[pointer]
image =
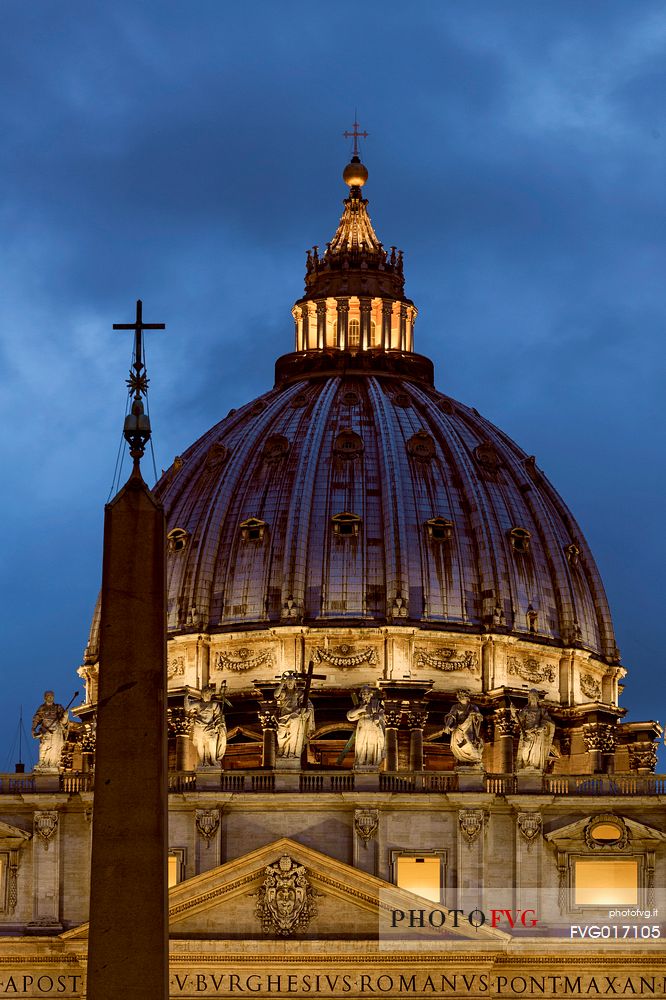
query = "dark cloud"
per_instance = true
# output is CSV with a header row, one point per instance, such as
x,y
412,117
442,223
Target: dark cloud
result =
x,y
189,153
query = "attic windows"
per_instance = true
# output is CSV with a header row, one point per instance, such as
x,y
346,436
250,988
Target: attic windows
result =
x,y
252,530
606,832
177,539
348,445
439,529
520,539
346,525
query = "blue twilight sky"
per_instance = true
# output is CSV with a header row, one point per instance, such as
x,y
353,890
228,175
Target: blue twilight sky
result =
x,y
188,153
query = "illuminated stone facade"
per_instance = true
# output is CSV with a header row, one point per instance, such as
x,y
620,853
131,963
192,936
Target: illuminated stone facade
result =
x,y
355,527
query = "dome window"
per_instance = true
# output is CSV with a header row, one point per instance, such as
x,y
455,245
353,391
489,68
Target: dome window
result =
x,y
421,446
346,524
216,455
258,407
439,529
252,530
354,333
487,457
351,398
520,539
299,400
572,553
276,447
402,399
177,539
348,444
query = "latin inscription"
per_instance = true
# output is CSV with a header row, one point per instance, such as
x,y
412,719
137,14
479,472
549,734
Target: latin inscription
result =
x,y
192,984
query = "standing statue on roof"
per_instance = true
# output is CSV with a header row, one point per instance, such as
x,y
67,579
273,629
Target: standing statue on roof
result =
x,y
295,716
50,725
209,730
536,733
370,733
463,722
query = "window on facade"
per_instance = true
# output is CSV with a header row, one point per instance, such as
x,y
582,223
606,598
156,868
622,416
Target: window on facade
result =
x,y
606,882
3,882
354,333
421,874
175,866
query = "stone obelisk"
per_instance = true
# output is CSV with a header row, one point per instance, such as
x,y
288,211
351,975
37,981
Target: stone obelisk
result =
x,y
128,954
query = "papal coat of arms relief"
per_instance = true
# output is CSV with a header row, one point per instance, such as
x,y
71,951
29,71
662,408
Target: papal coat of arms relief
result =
x,y
286,898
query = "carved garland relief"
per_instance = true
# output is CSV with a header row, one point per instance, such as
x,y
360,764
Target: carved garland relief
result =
x,y
443,659
176,667
242,659
590,686
530,669
345,656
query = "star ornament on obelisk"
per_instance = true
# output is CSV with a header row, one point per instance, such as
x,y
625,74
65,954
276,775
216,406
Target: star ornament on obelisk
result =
x,y
128,944
137,423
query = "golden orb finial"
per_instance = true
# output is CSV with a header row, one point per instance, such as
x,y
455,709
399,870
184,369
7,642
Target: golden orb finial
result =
x,y
355,174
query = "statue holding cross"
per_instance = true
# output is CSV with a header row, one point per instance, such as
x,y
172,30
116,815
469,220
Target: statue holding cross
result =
x,y
295,712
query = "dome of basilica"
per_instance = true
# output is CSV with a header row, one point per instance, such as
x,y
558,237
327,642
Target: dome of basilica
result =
x,y
355,517
354,493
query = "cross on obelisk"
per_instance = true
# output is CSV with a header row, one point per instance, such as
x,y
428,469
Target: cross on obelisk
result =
x,y
137,424
355,134
128,947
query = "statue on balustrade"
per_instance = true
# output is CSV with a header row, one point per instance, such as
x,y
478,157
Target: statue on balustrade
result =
x,y
463,722
370,733
50,725
536,733
209,730
295,716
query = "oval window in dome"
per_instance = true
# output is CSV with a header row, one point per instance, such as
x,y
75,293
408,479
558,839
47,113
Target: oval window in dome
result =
x,y
520,539
348,444
177,539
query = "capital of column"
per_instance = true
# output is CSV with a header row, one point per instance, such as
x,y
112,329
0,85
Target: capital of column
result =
x,y
504,722
599,737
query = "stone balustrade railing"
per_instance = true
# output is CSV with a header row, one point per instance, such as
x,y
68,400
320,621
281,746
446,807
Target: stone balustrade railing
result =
x,y
398,782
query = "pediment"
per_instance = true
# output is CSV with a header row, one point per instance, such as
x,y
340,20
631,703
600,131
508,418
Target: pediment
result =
x,y
348,903
13,837
638,834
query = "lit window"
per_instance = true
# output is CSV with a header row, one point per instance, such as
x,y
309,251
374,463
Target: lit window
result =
x,y
606,882
354,333
175,866
421,874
